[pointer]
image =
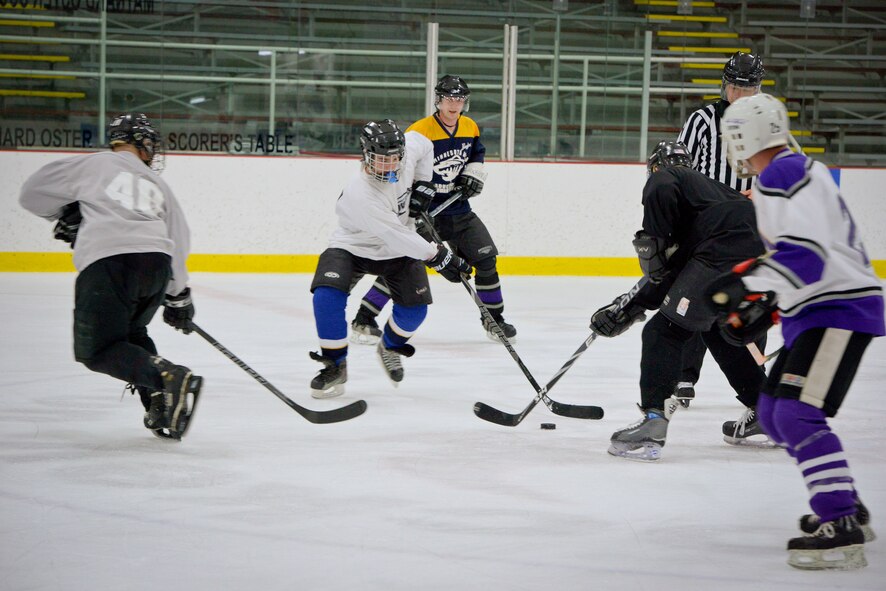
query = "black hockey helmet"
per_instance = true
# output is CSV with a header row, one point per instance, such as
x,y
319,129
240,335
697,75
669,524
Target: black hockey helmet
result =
x,y
744,69
381,143
136,129
453,87
667,155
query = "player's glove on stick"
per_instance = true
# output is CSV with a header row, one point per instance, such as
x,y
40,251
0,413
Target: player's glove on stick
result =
x,y
68,224
450,266
420,199
179,311
743,316
608,321
470,181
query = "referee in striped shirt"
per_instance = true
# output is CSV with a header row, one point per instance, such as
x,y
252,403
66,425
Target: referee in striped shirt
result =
x,y
742,76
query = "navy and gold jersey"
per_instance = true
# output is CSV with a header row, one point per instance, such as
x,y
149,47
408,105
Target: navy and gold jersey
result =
x,y
452,151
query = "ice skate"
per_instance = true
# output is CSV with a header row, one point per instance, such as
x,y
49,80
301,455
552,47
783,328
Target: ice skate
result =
x,y
364,329
747,431
835,545
390,360
508,329
809,523
330,381
644,439
170,411
685,393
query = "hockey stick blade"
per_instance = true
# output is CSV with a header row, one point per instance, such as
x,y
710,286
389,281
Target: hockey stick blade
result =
x,y
540,393
320,417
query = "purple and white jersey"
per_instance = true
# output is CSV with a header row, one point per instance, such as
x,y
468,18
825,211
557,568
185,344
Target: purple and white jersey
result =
x,y
819,267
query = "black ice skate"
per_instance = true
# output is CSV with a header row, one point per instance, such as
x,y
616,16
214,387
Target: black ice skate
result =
x,y
644,439
685,393
170,412
364,329
390,360
836,545
746,431
809,523
508,329
330,382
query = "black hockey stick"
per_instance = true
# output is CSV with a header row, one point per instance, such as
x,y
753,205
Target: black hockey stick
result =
x,y
355,409
559,408
493,415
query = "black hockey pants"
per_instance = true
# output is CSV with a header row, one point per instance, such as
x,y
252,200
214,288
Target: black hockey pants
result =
x,y
115,299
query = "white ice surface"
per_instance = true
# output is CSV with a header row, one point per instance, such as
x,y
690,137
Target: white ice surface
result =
x,y
417,493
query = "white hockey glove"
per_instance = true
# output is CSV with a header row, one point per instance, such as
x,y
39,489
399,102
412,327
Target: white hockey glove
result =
x,y
471,179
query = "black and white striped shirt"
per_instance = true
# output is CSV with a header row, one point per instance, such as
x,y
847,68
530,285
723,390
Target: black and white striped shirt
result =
x,y
701,134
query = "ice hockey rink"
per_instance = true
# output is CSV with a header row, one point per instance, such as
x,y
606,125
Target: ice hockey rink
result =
x,y
417,493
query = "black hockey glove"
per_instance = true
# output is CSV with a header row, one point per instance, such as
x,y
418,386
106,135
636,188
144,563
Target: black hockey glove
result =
x,y
420,199
179,311
609,321
743,316
68,224
450,266
470,181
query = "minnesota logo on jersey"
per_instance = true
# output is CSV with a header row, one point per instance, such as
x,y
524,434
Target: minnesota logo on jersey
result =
x,y
451,152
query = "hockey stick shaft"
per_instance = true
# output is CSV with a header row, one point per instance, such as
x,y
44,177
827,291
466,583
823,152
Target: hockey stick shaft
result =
x,y
486,412
455,197
343,413
759,356
541,394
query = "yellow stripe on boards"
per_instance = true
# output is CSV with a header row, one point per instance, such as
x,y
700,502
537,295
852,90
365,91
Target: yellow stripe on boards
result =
x,y
252,263
53,262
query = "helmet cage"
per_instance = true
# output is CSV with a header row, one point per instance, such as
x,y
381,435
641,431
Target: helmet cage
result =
x,y
452,87
384,150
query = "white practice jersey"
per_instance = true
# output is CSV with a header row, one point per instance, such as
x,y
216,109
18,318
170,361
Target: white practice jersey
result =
x,y
126,208
819,267
373,215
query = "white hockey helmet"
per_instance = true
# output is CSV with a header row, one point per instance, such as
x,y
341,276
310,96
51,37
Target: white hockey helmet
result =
x,y
752,124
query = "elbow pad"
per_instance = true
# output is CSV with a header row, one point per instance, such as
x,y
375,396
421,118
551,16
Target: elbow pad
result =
x,y
653,254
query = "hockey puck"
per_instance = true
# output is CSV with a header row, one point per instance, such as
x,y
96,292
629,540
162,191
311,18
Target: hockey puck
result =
x,y
548,426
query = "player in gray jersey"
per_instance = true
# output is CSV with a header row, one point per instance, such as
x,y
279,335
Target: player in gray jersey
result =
x,y
130,242
742,76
